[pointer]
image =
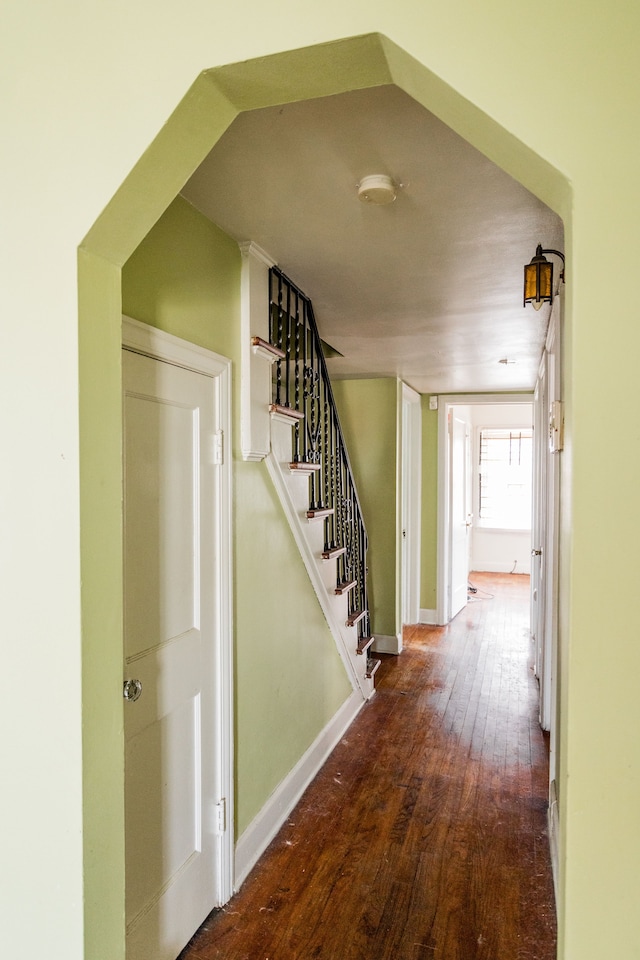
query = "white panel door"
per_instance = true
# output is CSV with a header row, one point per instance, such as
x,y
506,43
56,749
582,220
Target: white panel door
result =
x,y
460,517
405,516
411,446
539,518
549,693
169,488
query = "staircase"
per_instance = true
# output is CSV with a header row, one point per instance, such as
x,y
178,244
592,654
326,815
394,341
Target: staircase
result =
x,y
309,465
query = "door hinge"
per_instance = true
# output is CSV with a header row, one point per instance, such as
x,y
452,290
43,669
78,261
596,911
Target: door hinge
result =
x,y
218,448
220,816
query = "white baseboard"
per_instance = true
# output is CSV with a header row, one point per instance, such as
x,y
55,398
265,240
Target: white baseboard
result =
x,y
554,834
496,566
382,644
261,831
429,616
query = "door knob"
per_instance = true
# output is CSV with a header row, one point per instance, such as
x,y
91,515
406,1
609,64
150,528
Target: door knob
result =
x,y
131,690
536,553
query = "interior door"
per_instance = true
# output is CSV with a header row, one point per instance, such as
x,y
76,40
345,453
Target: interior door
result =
x,y
170,801
549,682
459,515
538,525
544,565
411,448
405,510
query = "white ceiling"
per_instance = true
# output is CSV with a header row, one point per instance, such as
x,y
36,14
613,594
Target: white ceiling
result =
x,y
428,288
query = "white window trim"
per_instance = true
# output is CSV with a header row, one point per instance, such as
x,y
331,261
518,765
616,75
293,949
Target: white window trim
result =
x,y
490,526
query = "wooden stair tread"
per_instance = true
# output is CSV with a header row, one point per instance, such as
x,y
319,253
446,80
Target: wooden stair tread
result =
x,y
289,412
345,586
372,666
266,349
304,466
355,617
318,514
333,552
363,644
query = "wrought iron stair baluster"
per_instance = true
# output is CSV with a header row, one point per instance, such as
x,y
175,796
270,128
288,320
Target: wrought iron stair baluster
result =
x,y
277,340
319,440
297,398
287,350
326,469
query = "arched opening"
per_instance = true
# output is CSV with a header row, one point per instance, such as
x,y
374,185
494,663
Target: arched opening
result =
x,y
217,97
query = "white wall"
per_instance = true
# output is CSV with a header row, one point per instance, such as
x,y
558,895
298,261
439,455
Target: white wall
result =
x,y
499,551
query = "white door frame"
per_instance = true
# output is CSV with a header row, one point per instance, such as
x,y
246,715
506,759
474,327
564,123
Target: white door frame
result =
x,y
541,504
445,404
548,628
550,539
154,343
459,503
410,462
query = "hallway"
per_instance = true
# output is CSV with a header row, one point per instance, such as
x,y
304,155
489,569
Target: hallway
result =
x,y
424,836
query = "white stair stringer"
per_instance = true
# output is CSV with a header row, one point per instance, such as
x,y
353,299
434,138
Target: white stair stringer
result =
x,y
293,492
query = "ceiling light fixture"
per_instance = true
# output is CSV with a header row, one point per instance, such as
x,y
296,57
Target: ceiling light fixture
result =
x,y
538,278
377,188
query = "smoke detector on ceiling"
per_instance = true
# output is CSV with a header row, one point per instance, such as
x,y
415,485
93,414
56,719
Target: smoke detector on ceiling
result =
x,y
377,188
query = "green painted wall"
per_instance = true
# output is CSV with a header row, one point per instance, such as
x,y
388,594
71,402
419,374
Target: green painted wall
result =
x,y
289,679
184,278
429,507
100,346
368,415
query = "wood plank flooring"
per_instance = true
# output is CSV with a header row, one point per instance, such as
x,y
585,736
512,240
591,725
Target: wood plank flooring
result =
x,y
424,835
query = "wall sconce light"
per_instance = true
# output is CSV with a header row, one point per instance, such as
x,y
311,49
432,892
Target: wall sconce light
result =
x,y
538,278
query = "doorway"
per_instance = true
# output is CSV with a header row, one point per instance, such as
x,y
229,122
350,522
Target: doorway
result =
x,y
410,465
545,571
177,641
457,502
169,160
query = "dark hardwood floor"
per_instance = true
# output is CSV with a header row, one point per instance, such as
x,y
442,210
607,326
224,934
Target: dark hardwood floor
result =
x,y
424,836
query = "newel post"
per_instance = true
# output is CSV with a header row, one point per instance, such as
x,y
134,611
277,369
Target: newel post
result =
x,y
255,362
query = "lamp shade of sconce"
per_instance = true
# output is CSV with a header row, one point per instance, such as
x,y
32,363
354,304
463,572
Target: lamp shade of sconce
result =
x,y
377,188
538,278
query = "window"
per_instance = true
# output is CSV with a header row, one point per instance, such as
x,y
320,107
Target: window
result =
x,y
505,471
